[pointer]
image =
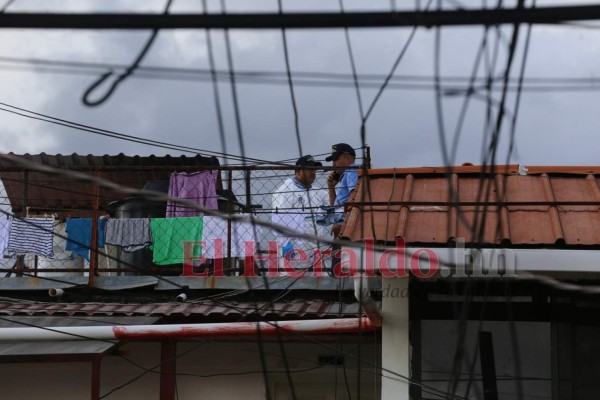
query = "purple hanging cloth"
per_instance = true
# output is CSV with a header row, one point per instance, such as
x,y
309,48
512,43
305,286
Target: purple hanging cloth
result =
x,y
199,187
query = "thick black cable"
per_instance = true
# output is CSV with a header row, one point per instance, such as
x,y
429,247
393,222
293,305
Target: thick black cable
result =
x,y
240,136
513,125
365,187
438,97
85,99
215,86
353,65
460,352
512,328
389,76
290,83
492,151
467,98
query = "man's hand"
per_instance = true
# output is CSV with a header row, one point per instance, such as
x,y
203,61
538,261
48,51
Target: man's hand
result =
x,y
333,179
335,230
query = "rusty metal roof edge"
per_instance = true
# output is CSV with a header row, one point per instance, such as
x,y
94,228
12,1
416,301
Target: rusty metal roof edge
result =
x,y
41,283
124,282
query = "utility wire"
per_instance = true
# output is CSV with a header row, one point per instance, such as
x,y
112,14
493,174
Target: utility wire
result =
x,y
113,86
334,78
240,135
215,86
290,83
121,136
531,85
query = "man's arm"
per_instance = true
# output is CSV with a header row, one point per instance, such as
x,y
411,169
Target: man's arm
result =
x,y
332,180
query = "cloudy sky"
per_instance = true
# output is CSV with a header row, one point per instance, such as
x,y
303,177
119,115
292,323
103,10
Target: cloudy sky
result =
x,y
555,127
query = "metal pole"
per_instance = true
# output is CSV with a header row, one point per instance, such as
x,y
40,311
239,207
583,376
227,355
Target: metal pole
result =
x,y
20,262
95,395
229,211
305,327
367,156
94,238
488,366
248,191
168,368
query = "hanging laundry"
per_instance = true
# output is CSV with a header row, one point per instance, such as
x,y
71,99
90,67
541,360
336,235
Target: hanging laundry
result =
x,y
215,234
4,231
79,235
130,234
198,187
31,236
169,236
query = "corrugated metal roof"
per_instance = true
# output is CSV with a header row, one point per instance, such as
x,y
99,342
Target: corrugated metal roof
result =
x,y
550,206
206,308
50,192
18,351
73,350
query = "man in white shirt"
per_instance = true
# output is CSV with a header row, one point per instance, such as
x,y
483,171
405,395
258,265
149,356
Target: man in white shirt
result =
x,y
296,206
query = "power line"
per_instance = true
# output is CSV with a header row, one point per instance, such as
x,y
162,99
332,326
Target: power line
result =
x,y
310,20
404,82
85,99
363,78
116,135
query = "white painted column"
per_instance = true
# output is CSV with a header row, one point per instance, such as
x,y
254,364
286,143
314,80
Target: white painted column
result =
x,y
395,346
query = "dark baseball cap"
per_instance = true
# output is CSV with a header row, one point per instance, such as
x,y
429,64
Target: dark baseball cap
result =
x,y
308,161
339,149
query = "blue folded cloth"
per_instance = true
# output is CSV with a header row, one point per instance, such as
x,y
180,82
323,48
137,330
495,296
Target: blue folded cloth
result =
x,y
333,216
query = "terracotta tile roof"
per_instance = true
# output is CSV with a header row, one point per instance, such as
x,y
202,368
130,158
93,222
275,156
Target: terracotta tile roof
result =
x,y
549,206
206,308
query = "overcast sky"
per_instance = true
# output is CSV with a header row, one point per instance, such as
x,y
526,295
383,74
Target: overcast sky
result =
x,y
554,128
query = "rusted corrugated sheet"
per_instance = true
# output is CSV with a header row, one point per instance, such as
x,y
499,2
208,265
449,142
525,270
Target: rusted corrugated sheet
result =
x,y
206,308
45,191
550,206
26,350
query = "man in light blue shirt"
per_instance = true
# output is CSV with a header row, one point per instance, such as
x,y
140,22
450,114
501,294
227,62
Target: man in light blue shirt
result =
x,y
341,183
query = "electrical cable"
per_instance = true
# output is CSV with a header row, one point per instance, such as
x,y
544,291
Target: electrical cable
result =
x,y
116,135
215,85
130,70
240,136
290,83
493,146
389,76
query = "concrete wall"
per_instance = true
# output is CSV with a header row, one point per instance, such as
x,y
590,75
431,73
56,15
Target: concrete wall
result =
x,y
237,366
